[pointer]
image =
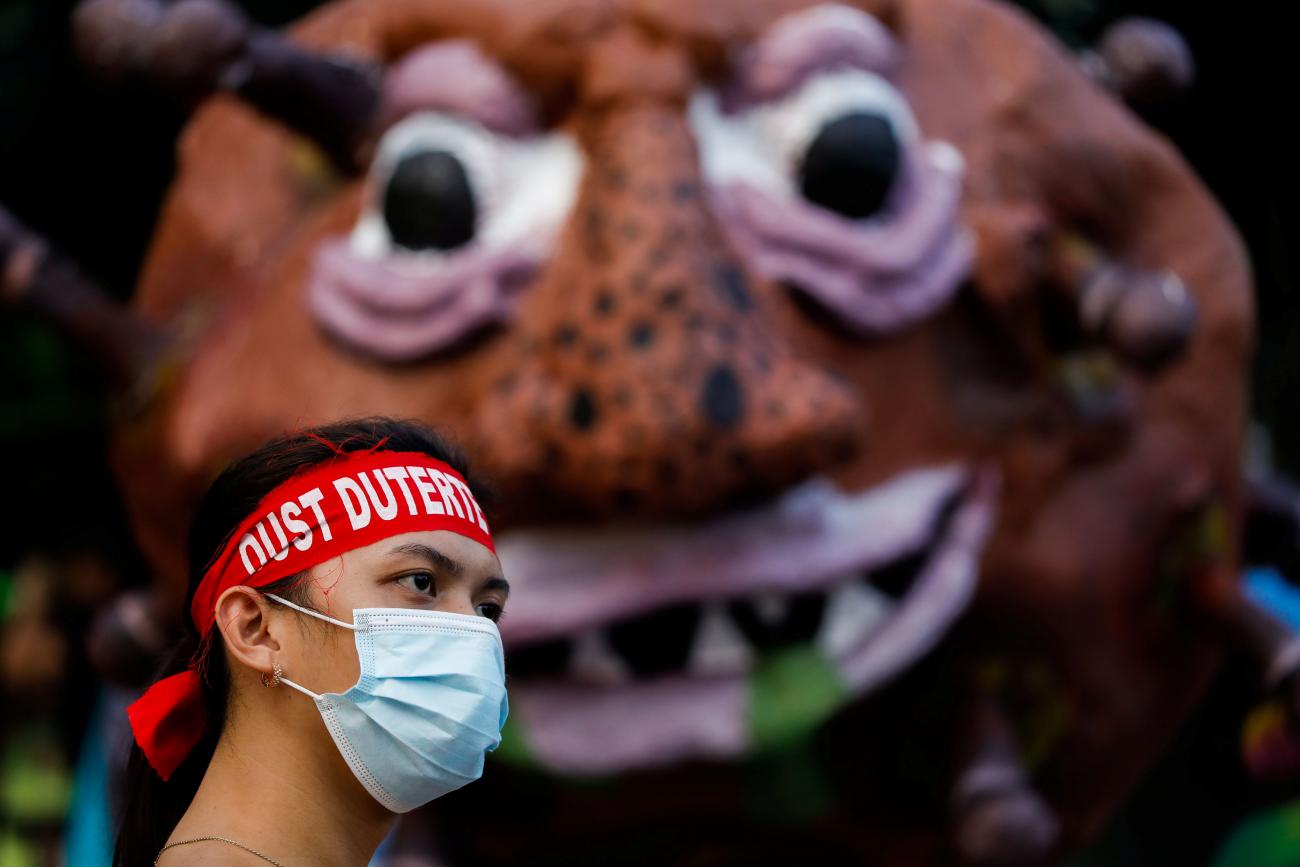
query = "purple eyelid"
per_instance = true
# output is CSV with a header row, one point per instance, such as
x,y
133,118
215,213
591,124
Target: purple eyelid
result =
x,y
397,313
455,77
805,44
878,276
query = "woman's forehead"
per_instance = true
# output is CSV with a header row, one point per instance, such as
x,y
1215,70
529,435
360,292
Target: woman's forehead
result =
x,y
444,550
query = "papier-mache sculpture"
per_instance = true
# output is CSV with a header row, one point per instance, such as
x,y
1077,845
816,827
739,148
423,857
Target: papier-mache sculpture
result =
x,y
866,385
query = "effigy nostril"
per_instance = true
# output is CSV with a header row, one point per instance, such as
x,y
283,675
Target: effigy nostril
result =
x,y
582,409
722,398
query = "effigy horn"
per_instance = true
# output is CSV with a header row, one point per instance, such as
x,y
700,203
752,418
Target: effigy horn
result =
x,y
130,350
194,48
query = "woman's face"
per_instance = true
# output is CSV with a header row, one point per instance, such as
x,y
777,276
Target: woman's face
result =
x,y
432,570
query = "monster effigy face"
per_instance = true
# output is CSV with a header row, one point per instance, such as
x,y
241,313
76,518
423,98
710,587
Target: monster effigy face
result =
x,y
790,333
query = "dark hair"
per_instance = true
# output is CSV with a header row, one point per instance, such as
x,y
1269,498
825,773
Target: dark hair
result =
x,y
152,806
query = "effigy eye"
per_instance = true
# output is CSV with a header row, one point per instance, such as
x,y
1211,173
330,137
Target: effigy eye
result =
x,y
428,202
850,165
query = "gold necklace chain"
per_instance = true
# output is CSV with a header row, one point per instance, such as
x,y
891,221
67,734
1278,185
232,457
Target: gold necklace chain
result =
x,y
248,849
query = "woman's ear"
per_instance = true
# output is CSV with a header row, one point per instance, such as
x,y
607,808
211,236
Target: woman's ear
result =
x,y
243,616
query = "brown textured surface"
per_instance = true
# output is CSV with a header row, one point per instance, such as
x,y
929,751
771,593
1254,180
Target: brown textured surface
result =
x,y
1072,573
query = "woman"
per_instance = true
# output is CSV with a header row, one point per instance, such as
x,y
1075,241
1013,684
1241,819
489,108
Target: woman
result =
x,y
342,662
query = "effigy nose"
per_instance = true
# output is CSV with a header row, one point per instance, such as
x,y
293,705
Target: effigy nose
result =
x,y
647,376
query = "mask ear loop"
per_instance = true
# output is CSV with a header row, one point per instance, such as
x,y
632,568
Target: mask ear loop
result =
x,y
302,689
286,681
315,614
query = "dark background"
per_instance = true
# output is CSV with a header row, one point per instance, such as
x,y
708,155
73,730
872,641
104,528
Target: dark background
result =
x,y
88,167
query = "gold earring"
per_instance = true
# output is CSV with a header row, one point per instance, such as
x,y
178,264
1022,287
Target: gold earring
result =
x,y
276,671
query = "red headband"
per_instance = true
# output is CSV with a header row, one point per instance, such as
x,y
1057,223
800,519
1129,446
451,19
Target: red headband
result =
x,y
346,503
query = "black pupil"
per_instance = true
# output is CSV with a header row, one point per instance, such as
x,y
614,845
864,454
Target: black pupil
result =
x,y
850,165
421,582
429,204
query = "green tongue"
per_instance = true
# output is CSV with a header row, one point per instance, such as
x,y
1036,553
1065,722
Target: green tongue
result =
x,y
792,690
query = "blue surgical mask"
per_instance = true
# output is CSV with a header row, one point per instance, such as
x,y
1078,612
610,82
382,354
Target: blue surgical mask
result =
x,y
430,701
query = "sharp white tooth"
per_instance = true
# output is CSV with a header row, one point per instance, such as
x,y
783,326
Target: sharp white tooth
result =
x,y
770,608
853,609
594,661
719,647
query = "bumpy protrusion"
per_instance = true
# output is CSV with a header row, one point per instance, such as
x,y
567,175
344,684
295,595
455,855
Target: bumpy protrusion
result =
x,y
1146,62
1147,316
998,817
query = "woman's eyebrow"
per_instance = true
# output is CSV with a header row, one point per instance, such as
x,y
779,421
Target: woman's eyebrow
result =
x,y
435,558
497,583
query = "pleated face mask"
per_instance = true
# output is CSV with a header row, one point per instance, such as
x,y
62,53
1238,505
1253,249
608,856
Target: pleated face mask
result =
x,y
430,701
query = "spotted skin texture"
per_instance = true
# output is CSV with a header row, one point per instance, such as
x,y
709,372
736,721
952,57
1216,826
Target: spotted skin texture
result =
x,y
675,376
650,375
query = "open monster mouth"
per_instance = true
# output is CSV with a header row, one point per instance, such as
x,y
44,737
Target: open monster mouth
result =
x,y
631,647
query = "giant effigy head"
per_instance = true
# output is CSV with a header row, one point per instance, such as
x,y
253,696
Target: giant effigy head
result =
x,y
791,334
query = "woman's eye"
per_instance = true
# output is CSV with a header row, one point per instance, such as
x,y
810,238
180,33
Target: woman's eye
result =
x,y
491,610
420,582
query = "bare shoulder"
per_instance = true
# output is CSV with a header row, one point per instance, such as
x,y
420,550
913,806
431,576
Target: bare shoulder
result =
x,y
209,853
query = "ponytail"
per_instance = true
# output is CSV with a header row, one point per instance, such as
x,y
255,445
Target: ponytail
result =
x,y
153,806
